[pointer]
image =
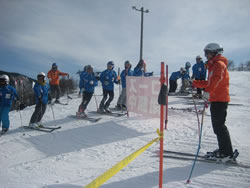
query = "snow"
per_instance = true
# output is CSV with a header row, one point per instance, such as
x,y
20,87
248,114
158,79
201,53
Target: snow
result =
x,y
80,151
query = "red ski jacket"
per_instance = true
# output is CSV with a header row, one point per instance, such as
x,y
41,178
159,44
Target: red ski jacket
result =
x,y
218,80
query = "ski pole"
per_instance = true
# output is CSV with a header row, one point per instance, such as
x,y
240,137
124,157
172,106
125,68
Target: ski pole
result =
x,y
96,103
196,111
199,145
119,81
53,113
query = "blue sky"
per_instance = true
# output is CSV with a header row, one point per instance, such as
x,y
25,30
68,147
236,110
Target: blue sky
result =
x,y
34,33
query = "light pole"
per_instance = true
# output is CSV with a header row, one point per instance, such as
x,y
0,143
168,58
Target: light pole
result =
x,y
141,41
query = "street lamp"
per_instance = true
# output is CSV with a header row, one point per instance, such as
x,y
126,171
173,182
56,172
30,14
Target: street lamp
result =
x,y
142,12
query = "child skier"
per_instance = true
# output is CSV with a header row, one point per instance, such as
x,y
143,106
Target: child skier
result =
x,y
108,78
121,103
182,73
88,82
140,69
41,90
7,95
199,73
54,75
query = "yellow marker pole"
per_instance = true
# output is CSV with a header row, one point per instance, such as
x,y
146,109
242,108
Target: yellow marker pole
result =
x,y
120,165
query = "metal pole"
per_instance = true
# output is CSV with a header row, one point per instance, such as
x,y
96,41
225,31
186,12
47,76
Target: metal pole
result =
x,y
141,38
141,43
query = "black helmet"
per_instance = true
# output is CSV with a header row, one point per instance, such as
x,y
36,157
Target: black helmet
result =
x,y
111,63
54,66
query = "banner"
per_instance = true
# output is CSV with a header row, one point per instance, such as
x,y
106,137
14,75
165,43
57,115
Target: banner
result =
x,y
142,95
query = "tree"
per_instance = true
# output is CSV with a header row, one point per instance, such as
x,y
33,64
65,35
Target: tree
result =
x,y
230,65
248,65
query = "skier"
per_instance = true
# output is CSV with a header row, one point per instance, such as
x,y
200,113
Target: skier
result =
x,y
81,85
7,95
121,103
89,82
108,77
53,76
140,69
187,67
41,90
182,73
199,73
186,78
217,91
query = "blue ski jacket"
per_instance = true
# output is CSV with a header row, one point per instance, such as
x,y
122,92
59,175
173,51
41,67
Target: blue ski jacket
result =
x,y
82,75
176,75
89,82
7,95
139,72
108,78
124,74
199,71
41,93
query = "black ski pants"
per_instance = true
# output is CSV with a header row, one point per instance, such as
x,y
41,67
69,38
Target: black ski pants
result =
x,y
86,97
173,86
38,113
55,91
218,116
106,104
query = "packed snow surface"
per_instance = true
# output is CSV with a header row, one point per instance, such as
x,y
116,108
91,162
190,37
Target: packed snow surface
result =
x,y
80,151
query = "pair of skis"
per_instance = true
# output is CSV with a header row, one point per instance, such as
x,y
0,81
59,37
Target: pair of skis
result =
x,y
94,120
114,114
43,128
203,158
91,119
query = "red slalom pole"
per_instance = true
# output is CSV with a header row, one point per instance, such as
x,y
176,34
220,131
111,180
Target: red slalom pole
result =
x,y
162,79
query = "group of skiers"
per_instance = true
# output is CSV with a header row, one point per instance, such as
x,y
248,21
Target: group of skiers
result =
x,y
43,94
109,77
216,90
199,72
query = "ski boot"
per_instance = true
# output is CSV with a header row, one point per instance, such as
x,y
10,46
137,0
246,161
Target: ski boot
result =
x,y
81,115
107,110
124,107
33,125
4,130
100,111
118,107
57,101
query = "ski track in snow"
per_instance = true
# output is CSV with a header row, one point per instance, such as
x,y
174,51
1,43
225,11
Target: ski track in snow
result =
x,y
80,151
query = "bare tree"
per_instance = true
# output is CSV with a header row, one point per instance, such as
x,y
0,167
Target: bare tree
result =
x,y
230,65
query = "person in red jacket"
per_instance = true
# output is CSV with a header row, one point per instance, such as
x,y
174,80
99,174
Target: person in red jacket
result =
x,y
54,76
217,92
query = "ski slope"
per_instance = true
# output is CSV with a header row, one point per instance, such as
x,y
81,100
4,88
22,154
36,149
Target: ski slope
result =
x,y
80,151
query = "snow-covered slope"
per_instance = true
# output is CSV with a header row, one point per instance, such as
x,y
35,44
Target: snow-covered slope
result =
x,y
80,151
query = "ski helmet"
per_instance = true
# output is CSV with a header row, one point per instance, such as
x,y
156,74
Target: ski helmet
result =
x,y
198,57
214,48
4,79
183,70
89,68
111,63
54,66
85,68
127,63
41,75
188,64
